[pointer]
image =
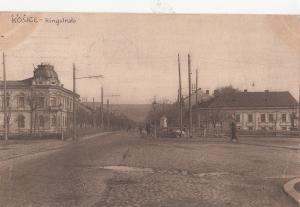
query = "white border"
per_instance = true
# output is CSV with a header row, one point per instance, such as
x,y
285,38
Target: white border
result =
x,y
156,6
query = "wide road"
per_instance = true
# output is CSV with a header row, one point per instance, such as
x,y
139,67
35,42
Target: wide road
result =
x,y
124,170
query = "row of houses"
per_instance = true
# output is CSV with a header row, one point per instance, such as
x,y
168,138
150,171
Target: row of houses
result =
x,y
266,110
39,103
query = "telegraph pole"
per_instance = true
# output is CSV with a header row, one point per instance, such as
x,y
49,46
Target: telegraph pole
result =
x,y
102,109
180,97
196,86
108,116
190,94
5,101
299,110
94,117
74,104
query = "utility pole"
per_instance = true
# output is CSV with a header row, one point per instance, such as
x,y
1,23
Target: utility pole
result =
x,y
190,94
94,117
61,124
180,97
108,116
5,100
102,109
196,86
74,104
299,110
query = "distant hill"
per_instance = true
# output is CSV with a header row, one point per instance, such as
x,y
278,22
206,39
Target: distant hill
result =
x,y
136,112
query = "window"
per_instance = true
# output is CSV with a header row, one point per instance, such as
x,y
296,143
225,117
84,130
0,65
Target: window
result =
x,y
52,101
283,128
41,102
7,101
21,102
263,118
271,128
250,118
21,121
53,121
250,128
237,118
271,118
283,117
42,121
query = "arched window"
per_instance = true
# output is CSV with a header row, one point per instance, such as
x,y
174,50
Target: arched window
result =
x,y
21,121
42,121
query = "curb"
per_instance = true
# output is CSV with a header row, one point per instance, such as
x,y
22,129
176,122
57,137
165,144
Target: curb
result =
x,y
289,188
66,143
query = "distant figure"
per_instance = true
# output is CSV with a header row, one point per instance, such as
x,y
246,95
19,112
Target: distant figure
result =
x,y
141,129
233,132
148,130
129,128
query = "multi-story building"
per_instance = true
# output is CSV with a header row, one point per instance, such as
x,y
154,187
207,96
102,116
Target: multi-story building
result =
x,y
37,104
250,111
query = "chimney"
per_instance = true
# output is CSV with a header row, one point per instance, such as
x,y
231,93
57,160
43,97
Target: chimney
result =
x,y
245,90
207,92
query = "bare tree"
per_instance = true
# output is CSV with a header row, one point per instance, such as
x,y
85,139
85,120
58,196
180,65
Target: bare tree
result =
x,y
33,101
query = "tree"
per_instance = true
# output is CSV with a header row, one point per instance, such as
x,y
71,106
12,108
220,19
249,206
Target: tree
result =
x,y
33,101
225,89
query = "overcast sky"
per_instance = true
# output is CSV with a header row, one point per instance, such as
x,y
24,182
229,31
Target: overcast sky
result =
x,y
137,53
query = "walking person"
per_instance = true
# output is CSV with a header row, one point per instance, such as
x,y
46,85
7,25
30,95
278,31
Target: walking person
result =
x,y
141,129
233,132
148,128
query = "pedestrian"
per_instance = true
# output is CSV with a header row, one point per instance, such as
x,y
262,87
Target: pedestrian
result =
x,y
148,128
233,132
141,129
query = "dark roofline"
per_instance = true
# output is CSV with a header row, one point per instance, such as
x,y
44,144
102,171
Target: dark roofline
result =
x,y
240,100
13,86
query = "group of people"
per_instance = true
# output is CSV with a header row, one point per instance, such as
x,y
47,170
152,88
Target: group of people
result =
x,y
147,128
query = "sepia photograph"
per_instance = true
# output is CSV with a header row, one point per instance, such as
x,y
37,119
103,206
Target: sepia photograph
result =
x,y
149,110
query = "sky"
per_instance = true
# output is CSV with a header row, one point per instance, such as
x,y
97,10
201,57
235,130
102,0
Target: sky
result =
x,y
137,53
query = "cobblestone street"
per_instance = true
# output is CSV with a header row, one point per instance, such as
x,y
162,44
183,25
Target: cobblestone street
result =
x,y
125,170
198,174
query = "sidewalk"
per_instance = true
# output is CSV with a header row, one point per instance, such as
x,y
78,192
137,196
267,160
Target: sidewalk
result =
x,y
18,148
276,142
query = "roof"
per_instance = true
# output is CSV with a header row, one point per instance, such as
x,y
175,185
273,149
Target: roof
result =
x,y
251,99
25,82
45,71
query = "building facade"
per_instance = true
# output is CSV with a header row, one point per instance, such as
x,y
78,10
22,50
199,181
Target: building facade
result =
x,y
39,104
250,111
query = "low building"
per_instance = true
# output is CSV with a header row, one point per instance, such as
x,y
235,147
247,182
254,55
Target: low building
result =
x,y
250,110
37,104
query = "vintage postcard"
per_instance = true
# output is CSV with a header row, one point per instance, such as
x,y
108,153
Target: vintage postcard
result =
x,y
115,109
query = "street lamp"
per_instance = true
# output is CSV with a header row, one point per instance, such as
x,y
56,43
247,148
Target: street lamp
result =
x,y
154,108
